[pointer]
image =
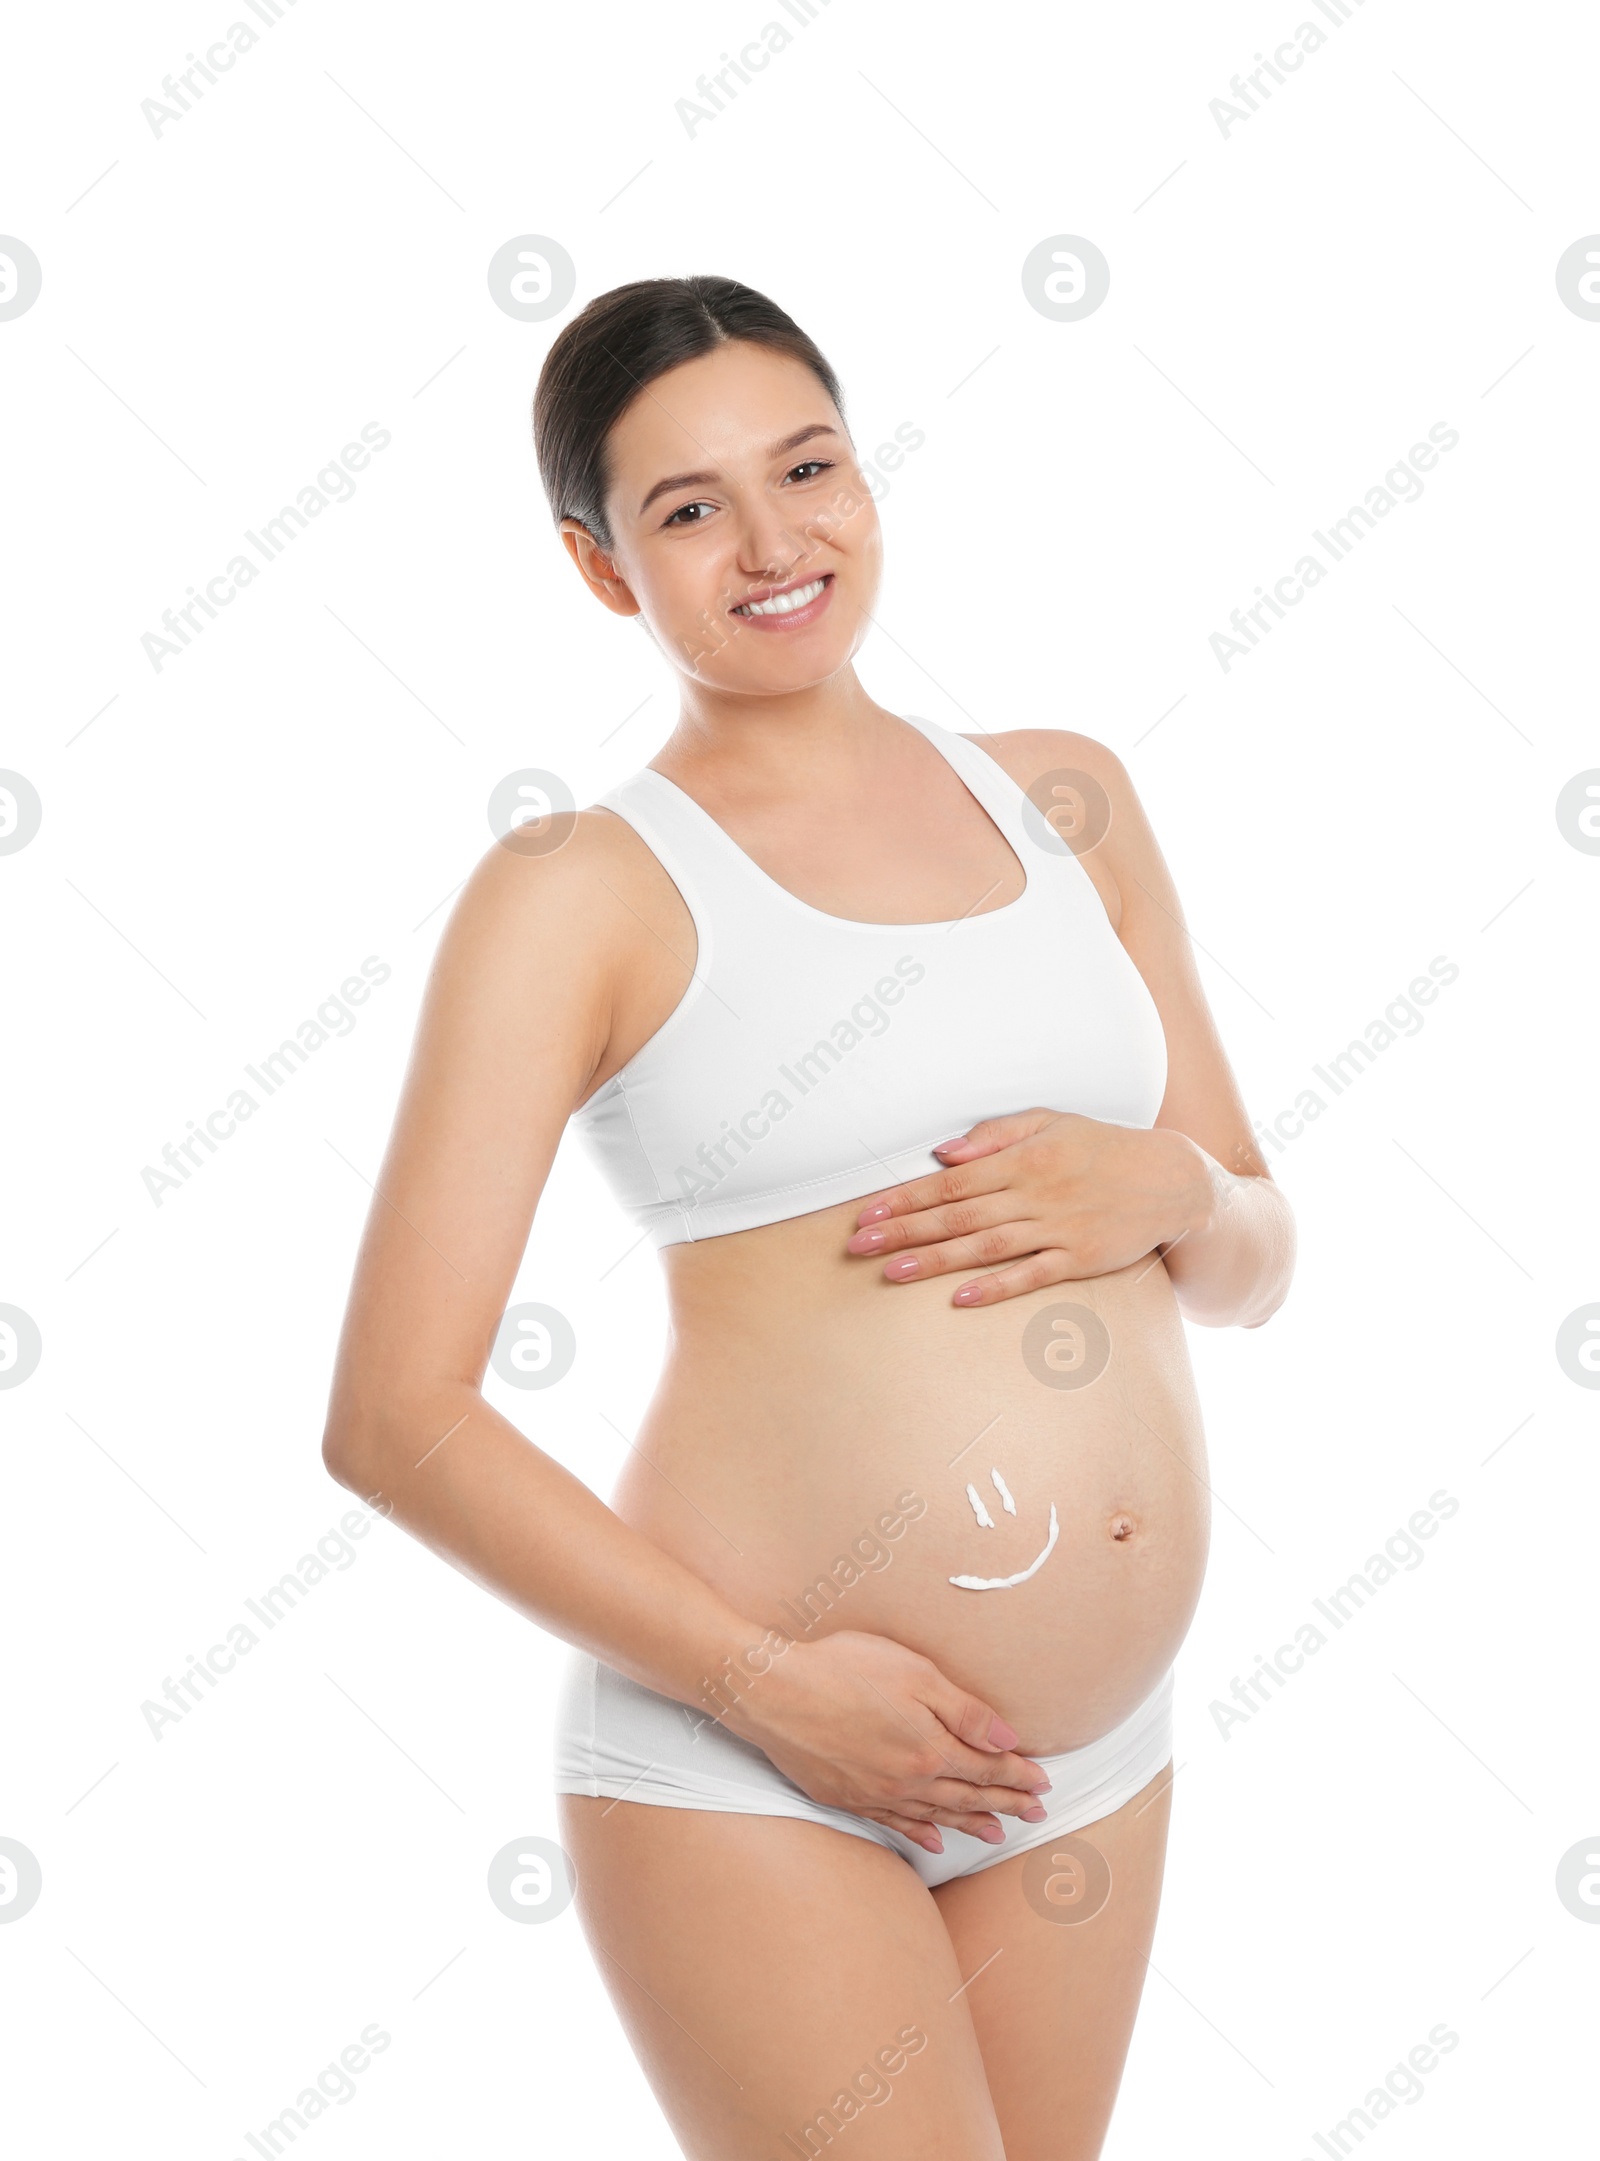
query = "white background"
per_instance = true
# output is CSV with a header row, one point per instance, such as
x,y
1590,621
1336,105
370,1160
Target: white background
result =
x,y
1292,305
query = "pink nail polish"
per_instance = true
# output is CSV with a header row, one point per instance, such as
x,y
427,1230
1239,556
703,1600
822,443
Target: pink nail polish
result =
x,y
968,1295
876,1213
867,1242
903,1270
1036,1814
1002,1735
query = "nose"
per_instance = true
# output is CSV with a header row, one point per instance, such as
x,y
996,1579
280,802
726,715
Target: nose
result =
x,y
772,542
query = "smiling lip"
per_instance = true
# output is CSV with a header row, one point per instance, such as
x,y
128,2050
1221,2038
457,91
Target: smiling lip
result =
x,y
792,618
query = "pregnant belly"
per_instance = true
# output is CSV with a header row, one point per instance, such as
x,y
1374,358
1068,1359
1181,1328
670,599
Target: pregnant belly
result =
x,y
1018,1492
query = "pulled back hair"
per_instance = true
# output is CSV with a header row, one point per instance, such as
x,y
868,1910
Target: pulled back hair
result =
x,y
617,345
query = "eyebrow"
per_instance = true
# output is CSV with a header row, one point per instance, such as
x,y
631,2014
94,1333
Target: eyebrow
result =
x,y
675,481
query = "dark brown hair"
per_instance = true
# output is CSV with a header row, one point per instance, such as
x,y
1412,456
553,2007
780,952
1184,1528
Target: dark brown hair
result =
x,y
619,343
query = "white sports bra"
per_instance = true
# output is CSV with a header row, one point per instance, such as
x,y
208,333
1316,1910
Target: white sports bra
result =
x,y
813,1059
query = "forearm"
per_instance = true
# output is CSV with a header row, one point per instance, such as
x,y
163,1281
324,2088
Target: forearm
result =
x,y
461,1478
1232,1256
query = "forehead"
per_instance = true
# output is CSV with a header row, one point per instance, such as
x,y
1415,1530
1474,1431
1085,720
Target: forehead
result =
x,y
725,409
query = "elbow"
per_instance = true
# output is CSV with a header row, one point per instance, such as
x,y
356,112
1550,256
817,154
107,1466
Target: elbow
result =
x,y
373,1440
1260,1318
1252,1312
342,1458
1276,1289
358,1468
1249,1303
353,1443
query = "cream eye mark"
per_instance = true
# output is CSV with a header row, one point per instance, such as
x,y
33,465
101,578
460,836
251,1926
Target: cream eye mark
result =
x,y
986,1522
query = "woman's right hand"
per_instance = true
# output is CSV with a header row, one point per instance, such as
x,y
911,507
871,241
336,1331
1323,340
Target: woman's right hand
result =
x,y
862,1723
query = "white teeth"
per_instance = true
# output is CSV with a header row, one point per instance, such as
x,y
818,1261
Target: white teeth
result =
x,y
784,603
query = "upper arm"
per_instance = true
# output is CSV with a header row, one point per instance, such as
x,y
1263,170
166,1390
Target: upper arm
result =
x,y
514,1021
1202,1097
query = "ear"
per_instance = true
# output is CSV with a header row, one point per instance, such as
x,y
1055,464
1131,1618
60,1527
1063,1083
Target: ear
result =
x,y
596,568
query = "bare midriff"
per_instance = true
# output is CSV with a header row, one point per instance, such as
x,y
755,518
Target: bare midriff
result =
x,y
810,1445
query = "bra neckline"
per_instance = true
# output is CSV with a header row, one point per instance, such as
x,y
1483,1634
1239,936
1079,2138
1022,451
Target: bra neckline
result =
x,y
926,729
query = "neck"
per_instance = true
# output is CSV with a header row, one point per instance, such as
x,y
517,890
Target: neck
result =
x,y
754,744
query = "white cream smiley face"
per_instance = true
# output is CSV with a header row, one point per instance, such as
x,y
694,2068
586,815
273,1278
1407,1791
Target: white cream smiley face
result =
x,y
986,1522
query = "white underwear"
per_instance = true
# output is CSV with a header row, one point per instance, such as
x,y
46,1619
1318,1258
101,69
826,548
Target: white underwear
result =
x,y
618,1739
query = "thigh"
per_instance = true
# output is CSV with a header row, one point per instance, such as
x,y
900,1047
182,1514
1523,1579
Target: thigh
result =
x,y
1058,1978
780,1982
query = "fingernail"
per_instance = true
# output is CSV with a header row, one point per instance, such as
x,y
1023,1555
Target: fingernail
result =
x,y
1002,1735
938,1844
1036,1814
868,1242
876,1213
968,1295
940,1146
903,1270
993,1833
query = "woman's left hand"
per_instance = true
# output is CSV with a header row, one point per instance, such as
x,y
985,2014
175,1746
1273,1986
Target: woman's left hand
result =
x,y
1059,1196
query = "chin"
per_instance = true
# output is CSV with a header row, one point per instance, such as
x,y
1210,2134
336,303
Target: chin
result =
x,y
755,663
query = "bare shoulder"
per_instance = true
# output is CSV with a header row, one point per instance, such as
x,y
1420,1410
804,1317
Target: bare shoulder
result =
x,y
1030,754
585,884
570,945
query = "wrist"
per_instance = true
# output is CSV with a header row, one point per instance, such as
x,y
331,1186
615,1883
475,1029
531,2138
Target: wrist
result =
x,y
1195,1191
738,1684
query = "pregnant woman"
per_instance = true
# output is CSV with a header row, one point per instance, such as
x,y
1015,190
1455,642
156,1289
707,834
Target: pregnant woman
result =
x,y
890,1040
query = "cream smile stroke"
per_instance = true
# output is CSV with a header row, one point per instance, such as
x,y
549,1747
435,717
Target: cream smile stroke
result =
x,y
986,1522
